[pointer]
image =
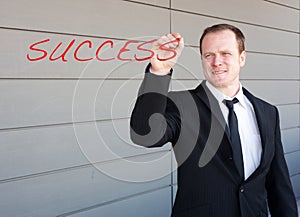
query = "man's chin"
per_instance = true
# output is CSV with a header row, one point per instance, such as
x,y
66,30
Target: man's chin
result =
x,y
218,83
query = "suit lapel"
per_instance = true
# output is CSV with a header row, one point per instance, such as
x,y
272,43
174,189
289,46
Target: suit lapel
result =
x,y
211,102
259,112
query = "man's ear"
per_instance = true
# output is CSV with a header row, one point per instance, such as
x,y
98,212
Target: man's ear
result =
x,y
243,58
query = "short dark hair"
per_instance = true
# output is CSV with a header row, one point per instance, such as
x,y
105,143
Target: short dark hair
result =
x,y
221,27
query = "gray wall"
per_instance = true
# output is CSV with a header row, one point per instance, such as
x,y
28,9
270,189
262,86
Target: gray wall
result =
x,y
64,143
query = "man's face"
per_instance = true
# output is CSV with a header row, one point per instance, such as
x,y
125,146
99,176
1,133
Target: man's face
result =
x,y
221,59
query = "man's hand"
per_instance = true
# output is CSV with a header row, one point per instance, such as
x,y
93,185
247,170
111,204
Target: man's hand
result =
x,y
165,47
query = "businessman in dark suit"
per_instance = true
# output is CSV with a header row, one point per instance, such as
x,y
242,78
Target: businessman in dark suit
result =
x,y
226,141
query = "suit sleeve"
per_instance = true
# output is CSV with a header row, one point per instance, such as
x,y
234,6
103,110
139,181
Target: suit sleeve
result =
x,y
281,198
155,118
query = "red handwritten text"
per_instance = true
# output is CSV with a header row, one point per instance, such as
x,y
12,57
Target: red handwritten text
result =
x,y
39,52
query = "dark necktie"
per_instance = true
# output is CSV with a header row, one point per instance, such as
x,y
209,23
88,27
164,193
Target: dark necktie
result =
x,y
235,136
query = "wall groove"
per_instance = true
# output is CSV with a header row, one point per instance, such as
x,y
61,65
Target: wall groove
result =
x,y
112,201
283,5
82,166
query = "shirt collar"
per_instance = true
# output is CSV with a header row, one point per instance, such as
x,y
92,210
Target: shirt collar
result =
x,y
220,96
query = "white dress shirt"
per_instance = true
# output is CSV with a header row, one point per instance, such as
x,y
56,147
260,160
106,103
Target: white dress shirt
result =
x,y
248,128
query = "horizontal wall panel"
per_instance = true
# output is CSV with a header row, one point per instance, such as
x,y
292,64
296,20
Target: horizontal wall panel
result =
x,y
293,161
291,139
253,12
258,39
138,169
57,193
275,92
264,66
276,16
163,3
97,18
36,102
40,102
289,3
31,151
42,149
178,85
289,116
107,140
296,185
146,205
189,65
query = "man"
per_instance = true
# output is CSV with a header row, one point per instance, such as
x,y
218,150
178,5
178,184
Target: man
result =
x,y
226,141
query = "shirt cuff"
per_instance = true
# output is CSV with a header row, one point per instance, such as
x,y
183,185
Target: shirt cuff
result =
x,y
148,70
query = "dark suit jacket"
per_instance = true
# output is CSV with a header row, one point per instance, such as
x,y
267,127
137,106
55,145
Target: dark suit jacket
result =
x,y
208,182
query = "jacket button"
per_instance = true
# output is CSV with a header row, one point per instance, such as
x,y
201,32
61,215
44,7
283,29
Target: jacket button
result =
x,y
242,190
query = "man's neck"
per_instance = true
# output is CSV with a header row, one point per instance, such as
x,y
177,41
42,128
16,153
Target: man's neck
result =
x,y
230,91
226,91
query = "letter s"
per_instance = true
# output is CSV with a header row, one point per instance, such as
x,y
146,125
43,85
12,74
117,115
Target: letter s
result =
x,y
33,48
140,47
161,47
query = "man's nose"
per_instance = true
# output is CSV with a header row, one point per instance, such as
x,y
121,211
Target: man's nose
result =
x,y
217,60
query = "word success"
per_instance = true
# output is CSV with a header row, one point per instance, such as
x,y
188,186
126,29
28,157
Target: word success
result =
x,y
131,50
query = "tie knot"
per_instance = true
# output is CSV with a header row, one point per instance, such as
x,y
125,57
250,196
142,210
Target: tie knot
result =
x,y
229,103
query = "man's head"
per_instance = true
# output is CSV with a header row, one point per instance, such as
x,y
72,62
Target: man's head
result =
x,y
240,38
223,54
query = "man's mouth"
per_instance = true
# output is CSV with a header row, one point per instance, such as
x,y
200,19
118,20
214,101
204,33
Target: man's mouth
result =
x,y
219,72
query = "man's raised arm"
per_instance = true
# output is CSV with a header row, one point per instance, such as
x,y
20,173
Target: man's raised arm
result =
x,y
155,120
